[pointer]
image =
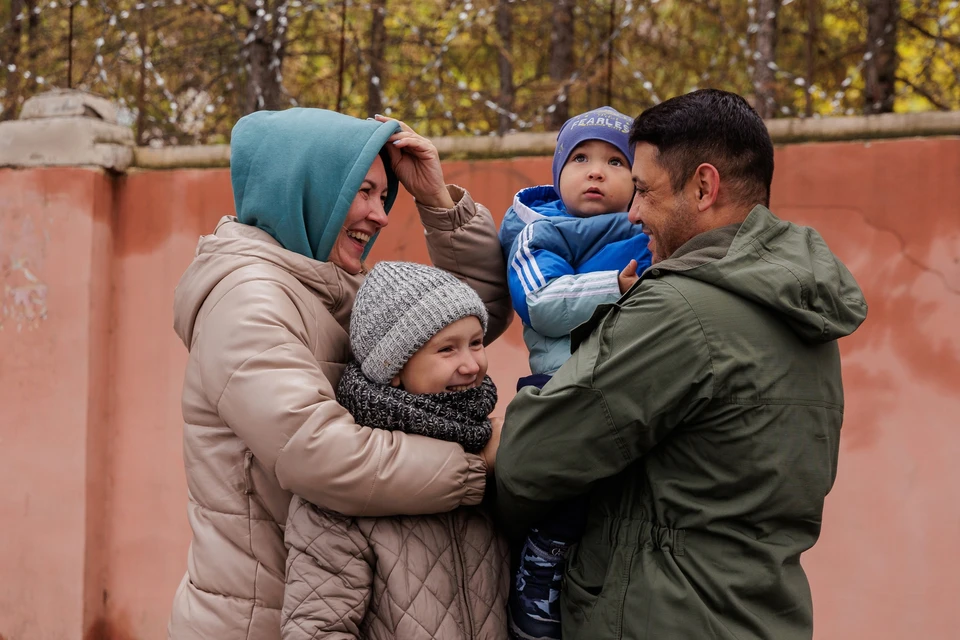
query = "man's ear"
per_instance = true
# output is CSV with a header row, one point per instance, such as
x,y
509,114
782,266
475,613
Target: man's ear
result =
x,y
707,183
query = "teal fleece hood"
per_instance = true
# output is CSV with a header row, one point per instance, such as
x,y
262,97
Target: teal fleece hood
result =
x,y
295,173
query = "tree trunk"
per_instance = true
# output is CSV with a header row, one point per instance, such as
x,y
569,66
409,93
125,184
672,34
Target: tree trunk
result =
x,y
505,62
813,24
12,56
610,47
561,57
143,42
70,46
764,77
263,52
33,42
881,64
378,39
341,68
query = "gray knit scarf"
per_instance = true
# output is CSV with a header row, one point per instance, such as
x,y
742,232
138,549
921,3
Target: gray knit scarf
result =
x,y
459,417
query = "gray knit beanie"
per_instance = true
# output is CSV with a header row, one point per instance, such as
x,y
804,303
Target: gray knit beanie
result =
x,y
399,307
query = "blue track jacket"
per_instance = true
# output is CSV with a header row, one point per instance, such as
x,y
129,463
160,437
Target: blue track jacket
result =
x,y
560,267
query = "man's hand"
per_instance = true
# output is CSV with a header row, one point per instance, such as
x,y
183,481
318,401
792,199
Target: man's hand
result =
x,y
628,276
489,452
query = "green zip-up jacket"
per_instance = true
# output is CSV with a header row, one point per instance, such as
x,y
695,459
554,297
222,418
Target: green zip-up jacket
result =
x,y
701,413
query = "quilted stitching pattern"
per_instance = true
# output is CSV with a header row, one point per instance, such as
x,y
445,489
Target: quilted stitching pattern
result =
x,y
441,577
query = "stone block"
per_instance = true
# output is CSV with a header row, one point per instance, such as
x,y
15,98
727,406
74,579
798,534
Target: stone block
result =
x,y
66,128
69,103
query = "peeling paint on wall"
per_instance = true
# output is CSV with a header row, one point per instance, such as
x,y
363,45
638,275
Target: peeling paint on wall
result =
x,y
23,293
24,296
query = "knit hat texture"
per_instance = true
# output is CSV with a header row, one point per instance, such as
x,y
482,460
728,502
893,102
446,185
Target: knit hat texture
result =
x,y
605,123
399,307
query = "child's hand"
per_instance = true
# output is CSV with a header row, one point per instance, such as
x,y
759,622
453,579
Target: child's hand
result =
x,y
489,452
628,276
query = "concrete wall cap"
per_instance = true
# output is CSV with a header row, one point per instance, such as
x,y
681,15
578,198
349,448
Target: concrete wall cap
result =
x,y
61,103
184,157
70,141
513,145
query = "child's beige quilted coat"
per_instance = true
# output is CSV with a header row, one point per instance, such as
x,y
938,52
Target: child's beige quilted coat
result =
x,y
441,576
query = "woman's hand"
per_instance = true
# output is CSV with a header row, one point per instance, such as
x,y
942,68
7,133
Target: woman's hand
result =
x,y
417,164
489,453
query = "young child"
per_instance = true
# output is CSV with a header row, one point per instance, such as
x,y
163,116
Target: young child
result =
x,y
417,336
565,245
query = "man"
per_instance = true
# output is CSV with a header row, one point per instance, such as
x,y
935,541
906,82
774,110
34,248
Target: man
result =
x,y
702,411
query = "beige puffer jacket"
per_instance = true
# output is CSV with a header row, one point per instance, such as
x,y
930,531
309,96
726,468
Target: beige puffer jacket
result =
x,y
267,333
441,576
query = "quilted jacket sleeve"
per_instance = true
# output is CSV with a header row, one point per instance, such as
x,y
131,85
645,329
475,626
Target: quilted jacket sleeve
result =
x,y
266,384
329,575
463,241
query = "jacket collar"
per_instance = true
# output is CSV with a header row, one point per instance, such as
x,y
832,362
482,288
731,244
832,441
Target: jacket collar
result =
x,y
234,245
714,244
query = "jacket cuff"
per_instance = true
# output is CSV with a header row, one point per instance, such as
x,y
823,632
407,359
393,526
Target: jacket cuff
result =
x,y
463,210
475,483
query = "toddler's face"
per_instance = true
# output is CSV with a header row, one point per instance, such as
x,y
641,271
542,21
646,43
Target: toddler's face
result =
x,y
596,179
452,360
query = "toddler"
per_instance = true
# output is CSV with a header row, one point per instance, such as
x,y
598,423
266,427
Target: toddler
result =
x,y
565,245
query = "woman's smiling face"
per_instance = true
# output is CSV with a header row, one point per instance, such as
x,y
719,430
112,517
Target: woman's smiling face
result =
x,y
365,218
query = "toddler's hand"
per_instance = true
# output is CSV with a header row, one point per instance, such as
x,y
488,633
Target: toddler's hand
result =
x,y
628,276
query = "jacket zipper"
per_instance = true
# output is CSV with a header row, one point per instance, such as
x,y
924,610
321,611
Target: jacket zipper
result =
x,y
248,473
460,570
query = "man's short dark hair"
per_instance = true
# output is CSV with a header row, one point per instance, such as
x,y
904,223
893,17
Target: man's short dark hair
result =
x,y
716,127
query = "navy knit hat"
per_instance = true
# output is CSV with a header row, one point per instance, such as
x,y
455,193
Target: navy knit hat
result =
x,y
605,123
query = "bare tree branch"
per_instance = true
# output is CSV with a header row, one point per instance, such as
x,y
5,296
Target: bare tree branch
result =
x,y
926,94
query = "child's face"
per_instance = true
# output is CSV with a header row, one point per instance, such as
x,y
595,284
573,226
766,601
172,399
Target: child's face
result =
x,y
596,179
452,360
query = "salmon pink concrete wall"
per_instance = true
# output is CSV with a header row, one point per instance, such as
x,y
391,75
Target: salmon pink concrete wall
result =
x,y
93,515
887,564
55,272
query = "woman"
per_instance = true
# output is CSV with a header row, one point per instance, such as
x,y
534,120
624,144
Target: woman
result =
x,y
264,310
